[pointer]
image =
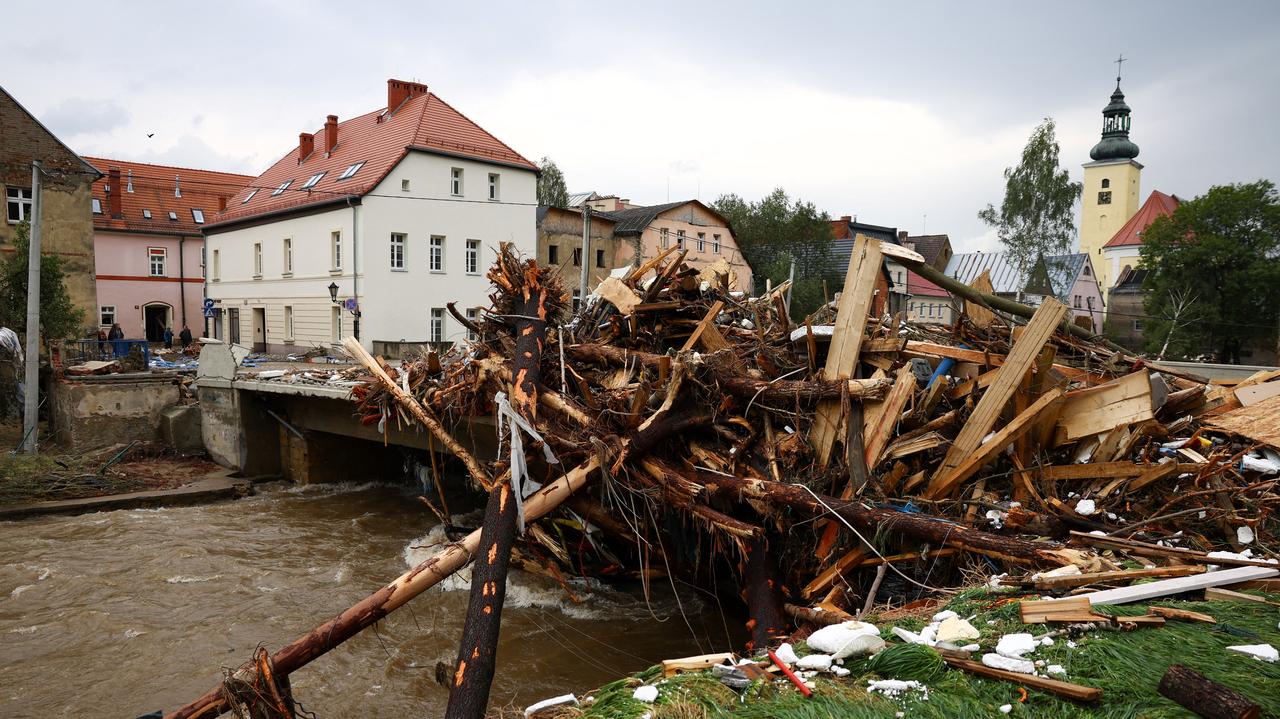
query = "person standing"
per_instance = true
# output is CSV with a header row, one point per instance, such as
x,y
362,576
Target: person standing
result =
x,y
185,336
115,336
168,338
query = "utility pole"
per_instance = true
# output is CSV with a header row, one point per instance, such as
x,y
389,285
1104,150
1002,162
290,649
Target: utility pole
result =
x,y
586,250
31,406
791,277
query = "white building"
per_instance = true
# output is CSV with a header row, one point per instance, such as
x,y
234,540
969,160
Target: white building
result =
x,y
402,209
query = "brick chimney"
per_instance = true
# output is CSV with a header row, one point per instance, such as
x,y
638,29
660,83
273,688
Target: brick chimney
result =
x,y
114,194
846,219
330,133
306,143
400,90
222,203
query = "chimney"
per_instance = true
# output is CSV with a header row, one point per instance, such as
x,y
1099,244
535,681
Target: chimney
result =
x,y
177,186
306,143
400,90
113,194
222,203
846,219
330,133
902,236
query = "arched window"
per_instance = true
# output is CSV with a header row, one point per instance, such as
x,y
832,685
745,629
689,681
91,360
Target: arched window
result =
x,y
1106,183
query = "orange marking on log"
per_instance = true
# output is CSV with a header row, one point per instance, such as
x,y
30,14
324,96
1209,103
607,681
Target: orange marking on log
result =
x,y
462,669
487,609
493,553
504,490
475,653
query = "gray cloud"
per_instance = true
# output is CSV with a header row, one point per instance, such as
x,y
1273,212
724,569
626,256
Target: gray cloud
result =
x,y
76,116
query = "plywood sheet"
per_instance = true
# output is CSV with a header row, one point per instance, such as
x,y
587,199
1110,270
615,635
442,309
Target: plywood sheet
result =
x,y
1259,422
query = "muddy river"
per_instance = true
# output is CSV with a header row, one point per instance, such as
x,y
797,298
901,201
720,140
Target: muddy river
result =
x,y
120,613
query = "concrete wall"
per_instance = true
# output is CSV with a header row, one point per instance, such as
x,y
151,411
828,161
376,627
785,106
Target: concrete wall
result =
x,y
93,412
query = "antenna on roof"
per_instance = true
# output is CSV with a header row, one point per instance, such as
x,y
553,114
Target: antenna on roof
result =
x,y
129,187
177,186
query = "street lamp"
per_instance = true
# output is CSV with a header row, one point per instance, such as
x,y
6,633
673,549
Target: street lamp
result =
x,y
353,308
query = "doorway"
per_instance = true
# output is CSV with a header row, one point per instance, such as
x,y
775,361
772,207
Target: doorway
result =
x,y
233,325
259,329
155,318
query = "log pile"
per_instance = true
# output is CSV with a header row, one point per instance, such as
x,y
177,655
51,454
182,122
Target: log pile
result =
x,y
711,426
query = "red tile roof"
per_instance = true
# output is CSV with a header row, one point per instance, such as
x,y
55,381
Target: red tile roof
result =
x,y
153,189
917,285
379,140
1157,205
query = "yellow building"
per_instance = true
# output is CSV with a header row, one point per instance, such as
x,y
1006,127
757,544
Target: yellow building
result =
x,y
1111,185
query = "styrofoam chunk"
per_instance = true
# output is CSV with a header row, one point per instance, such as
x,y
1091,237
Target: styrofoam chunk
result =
x,y
647,693
819,662
1265,652
1020,666
847,639
1015,645
787,653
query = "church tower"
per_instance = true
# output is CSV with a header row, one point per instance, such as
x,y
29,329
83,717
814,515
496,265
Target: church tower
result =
x,y
1111,185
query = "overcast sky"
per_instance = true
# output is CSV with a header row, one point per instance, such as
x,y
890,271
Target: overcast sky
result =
x,y
888,111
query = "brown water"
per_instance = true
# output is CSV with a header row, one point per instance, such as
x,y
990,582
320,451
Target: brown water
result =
x,y
120,613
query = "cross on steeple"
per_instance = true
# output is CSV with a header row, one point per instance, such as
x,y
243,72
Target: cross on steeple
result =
x,y
1119,65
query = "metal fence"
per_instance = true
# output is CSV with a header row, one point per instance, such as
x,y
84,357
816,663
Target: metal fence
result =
x,y
79,351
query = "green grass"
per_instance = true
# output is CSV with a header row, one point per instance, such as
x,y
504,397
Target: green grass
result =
x,y
1127,666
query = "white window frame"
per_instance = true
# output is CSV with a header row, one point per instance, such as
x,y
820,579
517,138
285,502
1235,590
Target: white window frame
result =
x,y
146,214
680,238
288,257
715,244
97,206
702,242
197,215
20,198
249,196
494,187
435,253
257,260
456,188
437,324
217,265
473,314
351,170
161,254
335,251
471,258
311,181
396,257
288,323
103,312
666,238
283,186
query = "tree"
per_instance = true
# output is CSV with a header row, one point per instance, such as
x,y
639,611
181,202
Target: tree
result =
x,y
552,190
1223,248
59,319
1036,218
774,231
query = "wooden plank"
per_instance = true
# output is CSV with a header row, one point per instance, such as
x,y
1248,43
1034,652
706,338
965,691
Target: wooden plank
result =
x,y
846,340
1165,587
1215,594
1156,473
1253,394
618,293
694,664
828,576
883,417
1259,422
1025,350
1182,614
1077,692
892,344
942,485
1155,550
1101,470
1122,401
706,334
979,315
913,445
1081,580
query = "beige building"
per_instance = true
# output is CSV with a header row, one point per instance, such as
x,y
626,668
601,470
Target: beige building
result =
x,y
703,233
560,245
1112,183
66,227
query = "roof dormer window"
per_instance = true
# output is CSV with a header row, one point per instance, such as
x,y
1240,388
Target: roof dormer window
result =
x,y
311,181
249,196
283,186
197,215
146,214
352,169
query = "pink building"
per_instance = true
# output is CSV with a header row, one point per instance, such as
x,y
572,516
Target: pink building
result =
x,y
148,246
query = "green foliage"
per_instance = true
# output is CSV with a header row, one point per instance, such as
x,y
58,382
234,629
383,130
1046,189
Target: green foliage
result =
x,y
552,190
59,319
1037,215
775,230
1224,249
907,661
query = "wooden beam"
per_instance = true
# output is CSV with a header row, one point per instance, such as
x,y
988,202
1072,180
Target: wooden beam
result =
x,y
706,334
1081,580
1093,410
882,417
979,314
1076,692
988,410
846,340
1166,587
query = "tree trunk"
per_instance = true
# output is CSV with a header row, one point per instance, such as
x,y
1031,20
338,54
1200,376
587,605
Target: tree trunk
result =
x,y
1206,697
764,596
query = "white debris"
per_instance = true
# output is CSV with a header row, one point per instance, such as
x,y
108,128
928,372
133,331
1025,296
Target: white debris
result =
x,y
1068,570
1056,669
787,653
1244,534
894,687
929,635
944,615
647,693
1015,645
1085,507
1006,708
994,581
1257,464
839,671
970,647
1020,666
907,636
847,639
1265,652
996,517
552,702
1046,642
955,629
820,662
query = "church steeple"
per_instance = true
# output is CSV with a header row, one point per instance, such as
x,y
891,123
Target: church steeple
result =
x,y
1115,143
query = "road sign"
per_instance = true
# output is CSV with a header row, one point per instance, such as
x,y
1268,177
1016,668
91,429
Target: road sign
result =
x,y
208,312
350,304
208,304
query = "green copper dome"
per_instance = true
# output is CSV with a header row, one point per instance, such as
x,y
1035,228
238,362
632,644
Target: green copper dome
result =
x,y
1115,143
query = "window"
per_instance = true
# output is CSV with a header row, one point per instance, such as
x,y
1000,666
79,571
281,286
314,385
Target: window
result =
x,y
715,244
288,323
311,181
18,200
1078,302
97,206
335,250
553,254
680,239
288,256
249,196
257,260
1089,301
577,299
156,258
1087,272
435,254
1106,183
404,185
666,239
397,251
107,315
599,258
473,315
173,216
1137,325
493,186
577,257
146,214
198,216
283,186
702,242
1104,198
472,258
352,169
217,265
455,181
437,324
